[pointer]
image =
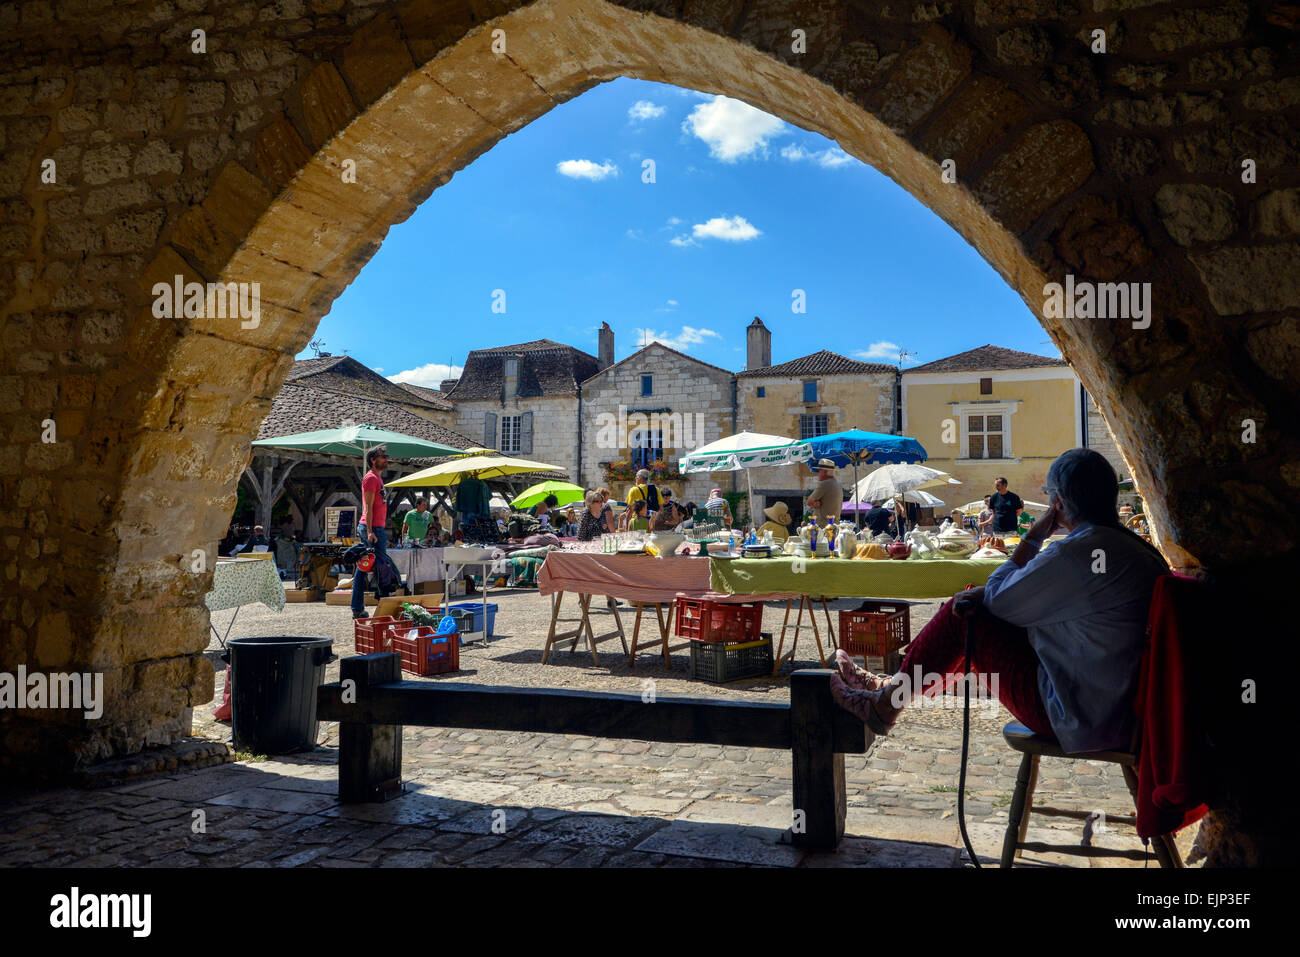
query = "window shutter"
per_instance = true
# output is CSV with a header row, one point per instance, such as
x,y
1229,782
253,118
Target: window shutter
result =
x,y
490,431
526,433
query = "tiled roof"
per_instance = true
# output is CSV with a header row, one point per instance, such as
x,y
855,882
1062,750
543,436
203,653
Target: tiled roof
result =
x,y
303,408
432,396
345,374
824,362
659,345
987,357
545,368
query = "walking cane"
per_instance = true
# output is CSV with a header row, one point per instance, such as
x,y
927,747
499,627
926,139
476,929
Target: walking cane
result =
x,y
965,604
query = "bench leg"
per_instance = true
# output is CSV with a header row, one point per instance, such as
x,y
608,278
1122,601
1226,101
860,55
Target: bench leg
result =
x,y
820,797
370,755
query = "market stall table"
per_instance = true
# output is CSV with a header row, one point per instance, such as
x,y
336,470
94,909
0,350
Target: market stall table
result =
x,y
638,579
847,578
457,557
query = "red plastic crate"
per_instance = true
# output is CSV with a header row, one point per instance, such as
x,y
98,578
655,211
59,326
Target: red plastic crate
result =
x,y
368,633
876,630
704,620
425,653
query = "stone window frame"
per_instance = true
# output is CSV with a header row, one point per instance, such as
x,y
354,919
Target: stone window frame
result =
x,y
511,424
762,392
647,384
815,389
804,433
1005,408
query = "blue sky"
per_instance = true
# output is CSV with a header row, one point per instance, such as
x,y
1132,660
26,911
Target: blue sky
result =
x,y
744,210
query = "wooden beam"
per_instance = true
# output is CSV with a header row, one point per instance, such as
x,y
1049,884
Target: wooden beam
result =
x,y
598,714
820,798
370,755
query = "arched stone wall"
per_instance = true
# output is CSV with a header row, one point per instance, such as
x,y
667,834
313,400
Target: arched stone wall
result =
x,y
225,165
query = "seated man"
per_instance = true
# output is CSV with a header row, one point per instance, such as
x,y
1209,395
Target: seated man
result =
x,y
1061,631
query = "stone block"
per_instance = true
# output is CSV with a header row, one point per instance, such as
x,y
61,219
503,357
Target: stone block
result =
x,y
978,116
1277,213
376,59
279,152
327,106
1246,279
1047,163
431,25
923,76
1194,213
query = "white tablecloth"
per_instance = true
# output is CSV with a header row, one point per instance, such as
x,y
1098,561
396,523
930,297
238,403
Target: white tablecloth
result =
x,y
418,564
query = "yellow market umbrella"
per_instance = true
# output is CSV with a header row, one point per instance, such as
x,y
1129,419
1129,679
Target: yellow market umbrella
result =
x,y
481,466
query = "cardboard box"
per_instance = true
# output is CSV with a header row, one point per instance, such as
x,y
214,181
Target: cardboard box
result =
x,y
303,594
392,605
345,598
429,588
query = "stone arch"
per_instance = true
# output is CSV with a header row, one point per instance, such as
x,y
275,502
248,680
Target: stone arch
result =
x,y
1122,169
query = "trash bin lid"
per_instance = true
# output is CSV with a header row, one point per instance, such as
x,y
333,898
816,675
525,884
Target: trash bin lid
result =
x,y
288,641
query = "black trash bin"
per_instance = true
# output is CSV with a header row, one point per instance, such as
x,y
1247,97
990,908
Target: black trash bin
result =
x,y
273,691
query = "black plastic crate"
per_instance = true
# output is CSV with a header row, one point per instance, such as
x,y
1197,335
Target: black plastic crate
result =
x,y
719,662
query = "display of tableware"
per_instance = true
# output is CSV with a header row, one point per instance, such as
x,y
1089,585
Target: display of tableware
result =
x,y
667,542
900,550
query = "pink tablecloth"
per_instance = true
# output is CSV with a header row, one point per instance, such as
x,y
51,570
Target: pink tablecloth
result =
x,y
633,577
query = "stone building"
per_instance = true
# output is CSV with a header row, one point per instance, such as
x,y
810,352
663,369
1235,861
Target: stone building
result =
x,y
991,411
523,400
812,395
657,404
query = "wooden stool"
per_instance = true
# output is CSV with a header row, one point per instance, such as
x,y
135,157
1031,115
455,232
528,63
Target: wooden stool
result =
x,y
1034,746
664,623
584,629
805,601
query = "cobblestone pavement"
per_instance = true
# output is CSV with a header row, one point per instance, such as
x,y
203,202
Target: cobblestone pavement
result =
x,y
476,798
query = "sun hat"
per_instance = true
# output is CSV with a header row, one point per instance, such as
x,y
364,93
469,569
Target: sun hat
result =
x,y
826,464
779,513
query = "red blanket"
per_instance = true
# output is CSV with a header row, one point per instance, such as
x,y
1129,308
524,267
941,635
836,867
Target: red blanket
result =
x,y
1173,764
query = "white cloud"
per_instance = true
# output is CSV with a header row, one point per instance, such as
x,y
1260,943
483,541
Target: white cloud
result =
x,y
586,169
674,221
672,302
733,130
735,229
669,306
645,110
633,234
689,336
430,376
378,369
879,351
683,241
831,158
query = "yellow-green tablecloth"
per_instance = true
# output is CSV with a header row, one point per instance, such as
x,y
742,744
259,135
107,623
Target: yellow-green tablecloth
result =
x,y
850,578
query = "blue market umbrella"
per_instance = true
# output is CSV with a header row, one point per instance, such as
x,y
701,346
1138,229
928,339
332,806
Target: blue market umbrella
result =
x,y
857,447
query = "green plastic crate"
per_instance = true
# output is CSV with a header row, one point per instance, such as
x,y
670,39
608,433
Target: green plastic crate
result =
x,y
719,662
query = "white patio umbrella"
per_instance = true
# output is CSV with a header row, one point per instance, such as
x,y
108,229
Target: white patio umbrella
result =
x,y
917,497
893,481
744,450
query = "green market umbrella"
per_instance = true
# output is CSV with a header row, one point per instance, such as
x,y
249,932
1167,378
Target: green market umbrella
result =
x,y
566,492
357,440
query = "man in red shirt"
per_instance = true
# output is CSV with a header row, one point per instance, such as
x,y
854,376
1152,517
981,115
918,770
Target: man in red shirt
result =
x,y
373,527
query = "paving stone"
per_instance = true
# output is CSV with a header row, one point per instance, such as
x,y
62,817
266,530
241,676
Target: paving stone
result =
x,y
276,800
722,842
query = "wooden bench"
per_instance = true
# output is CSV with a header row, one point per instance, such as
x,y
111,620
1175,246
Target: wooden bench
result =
x,y
816,731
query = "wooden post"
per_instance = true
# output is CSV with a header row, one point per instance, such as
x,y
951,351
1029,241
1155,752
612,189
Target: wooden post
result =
x,y
370,755
819,790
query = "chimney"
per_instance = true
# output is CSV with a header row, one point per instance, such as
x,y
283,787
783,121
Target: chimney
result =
x,y
446,385
606,336
758,346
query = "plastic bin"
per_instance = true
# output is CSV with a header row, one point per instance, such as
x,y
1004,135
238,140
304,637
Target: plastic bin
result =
x,y
274,681
425,653
719,662
704,620
875,631
476,609
368,633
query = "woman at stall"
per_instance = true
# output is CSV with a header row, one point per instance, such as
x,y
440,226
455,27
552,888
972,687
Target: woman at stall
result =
x,y
607,511
638,522
592,523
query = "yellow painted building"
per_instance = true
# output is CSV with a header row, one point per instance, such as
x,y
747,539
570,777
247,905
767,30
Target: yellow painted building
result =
x,y
993,412
812,395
